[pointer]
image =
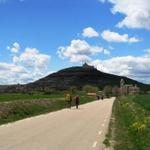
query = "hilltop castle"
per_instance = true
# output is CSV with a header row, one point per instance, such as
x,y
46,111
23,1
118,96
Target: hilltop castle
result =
x,y
85,65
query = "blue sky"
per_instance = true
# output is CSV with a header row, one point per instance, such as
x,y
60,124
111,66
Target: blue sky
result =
x,y
38,37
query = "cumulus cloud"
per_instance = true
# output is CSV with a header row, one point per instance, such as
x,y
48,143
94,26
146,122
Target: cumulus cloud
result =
x,y
24,68
79,51
116,37
137,12
14,48
137,68
90,32
32,58
11,73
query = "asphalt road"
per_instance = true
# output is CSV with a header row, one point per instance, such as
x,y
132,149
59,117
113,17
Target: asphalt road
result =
x,y
68,129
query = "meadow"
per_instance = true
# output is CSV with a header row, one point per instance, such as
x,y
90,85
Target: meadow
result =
x,y
129,127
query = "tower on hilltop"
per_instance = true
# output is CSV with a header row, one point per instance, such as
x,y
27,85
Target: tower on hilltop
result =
x,y
122,83
85,65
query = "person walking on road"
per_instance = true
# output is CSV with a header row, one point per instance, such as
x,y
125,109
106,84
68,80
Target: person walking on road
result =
x,y
98,97
76,101
68,100
102,97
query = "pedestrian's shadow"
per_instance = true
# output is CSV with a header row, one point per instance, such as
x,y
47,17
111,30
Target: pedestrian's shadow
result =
x,y
77,109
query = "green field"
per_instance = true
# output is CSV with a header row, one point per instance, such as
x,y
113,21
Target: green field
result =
x,y
20,96
143,101
129,127
18,106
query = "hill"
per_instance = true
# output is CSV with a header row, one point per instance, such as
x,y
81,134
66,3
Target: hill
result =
x,y
81,76
73,77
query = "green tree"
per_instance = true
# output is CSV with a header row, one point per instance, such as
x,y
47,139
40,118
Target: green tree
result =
x,y
73,90
90,89
107,90
115,90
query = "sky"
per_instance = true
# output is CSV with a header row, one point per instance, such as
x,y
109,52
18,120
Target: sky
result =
x,y
39,37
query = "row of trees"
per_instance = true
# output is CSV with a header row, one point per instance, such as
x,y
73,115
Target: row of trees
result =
x,y
107,90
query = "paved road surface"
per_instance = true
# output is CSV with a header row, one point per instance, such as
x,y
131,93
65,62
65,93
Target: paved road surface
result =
x,y
82,129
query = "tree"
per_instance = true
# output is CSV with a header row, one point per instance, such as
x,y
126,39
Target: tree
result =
x,y
107,90
90,89
73,89
115,90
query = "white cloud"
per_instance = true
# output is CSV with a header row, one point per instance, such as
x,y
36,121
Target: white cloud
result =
x,y
106,52
15,48
137,68
79,58
26,67
137,13
90,32
79,51
32,58
116,37
11,74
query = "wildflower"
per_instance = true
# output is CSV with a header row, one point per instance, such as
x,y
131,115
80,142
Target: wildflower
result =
x,y
138,126
125,105
147,120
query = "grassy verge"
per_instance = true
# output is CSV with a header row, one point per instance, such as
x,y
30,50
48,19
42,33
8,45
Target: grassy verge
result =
x,y
131,128
19,106
109,141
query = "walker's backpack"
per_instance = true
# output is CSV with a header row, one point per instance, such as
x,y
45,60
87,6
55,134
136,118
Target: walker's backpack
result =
x,y
76,99
68,97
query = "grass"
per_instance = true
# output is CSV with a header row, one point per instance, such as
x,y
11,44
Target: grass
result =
x,y
131,128
17,110
20,96
143,101
109,136
14,107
